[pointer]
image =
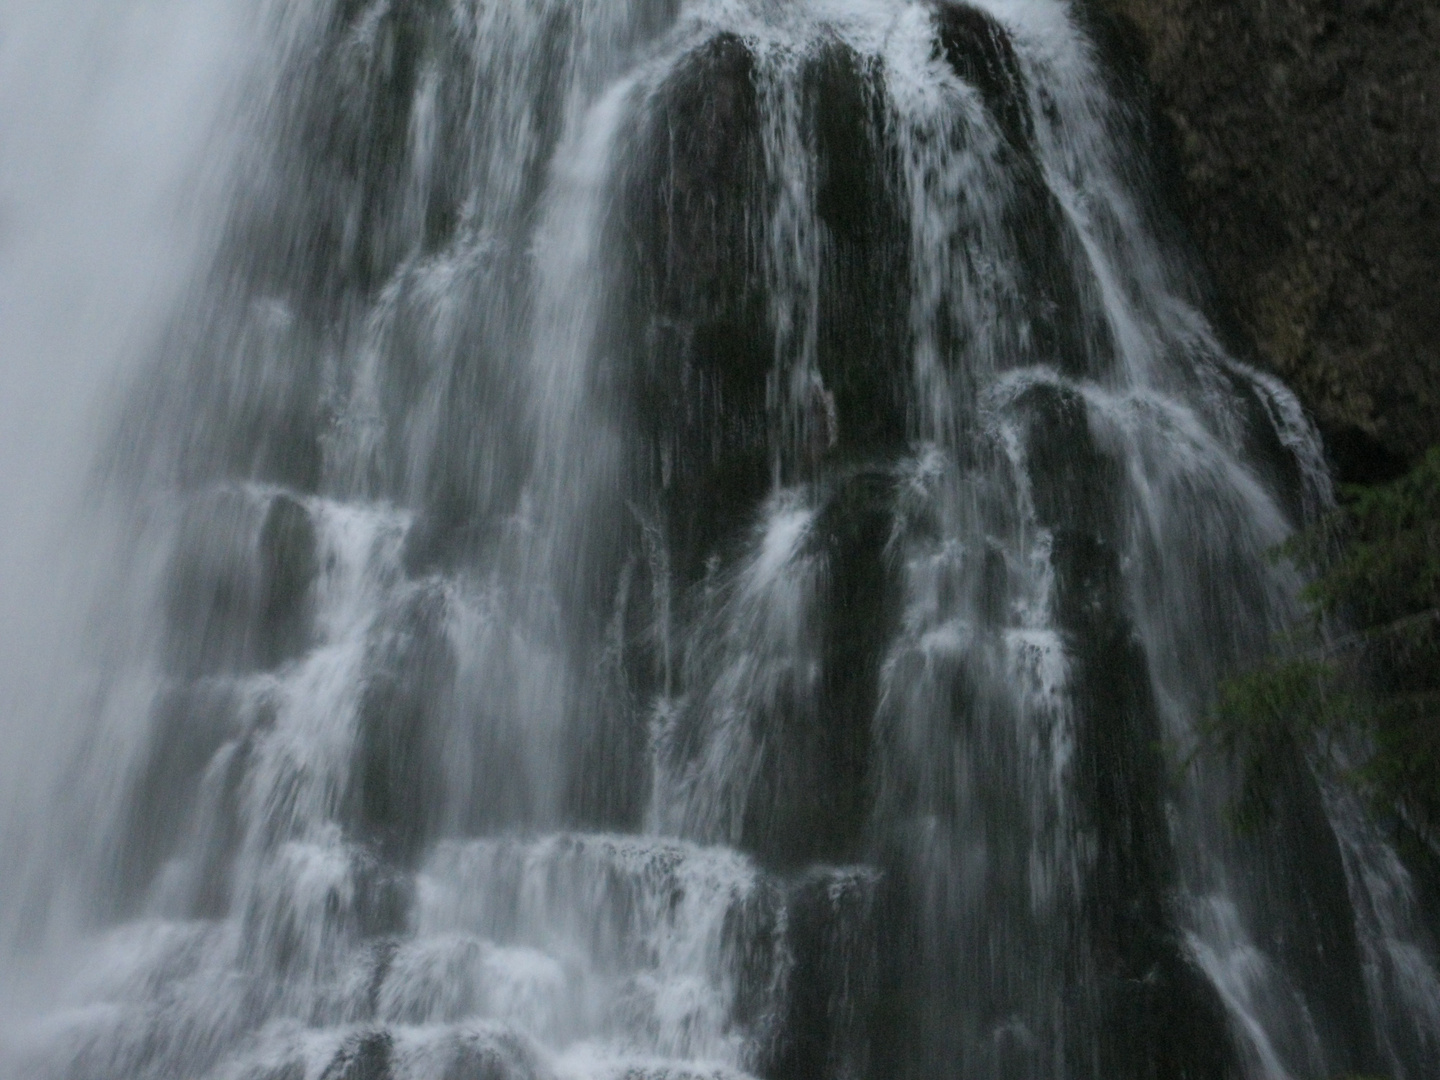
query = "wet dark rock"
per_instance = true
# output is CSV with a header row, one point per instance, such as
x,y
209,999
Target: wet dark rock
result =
x,y
811,792
384,896
494,1056
1266,452
1154,1014
191,726
1074,485
295,1070
860,599
239,592
288,567
610,777
366,1057
1051,312
693,323
863,346
679,1071
254,410
222,832
351,201
1057,310
981,53
755,943
346,146
831,983
396,786
1296,863
212,585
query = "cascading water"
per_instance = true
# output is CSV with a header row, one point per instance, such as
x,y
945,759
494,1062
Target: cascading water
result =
x,y
686,539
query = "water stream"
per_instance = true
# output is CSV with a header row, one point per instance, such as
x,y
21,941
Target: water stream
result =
x,y
684,539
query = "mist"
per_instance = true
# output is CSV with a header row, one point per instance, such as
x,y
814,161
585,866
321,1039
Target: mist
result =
x,y
110,167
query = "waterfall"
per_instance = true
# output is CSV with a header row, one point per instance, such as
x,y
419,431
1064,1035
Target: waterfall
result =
x,y
678,539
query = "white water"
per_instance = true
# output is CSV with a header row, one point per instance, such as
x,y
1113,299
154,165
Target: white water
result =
x,y
357,853
110,170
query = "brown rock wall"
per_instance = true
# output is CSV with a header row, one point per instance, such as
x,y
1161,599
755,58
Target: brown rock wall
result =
x,y
1307,134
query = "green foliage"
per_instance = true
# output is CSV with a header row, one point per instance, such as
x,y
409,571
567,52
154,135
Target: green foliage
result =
x,y
1262,718
1387,566
1366,702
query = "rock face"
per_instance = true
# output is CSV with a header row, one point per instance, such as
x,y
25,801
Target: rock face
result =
x,y
1307,139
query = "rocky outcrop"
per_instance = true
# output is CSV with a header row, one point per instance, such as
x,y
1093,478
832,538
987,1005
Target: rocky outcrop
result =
x,y
1307,139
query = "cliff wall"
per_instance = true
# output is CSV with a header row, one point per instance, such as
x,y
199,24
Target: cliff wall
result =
x,y
1306,138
